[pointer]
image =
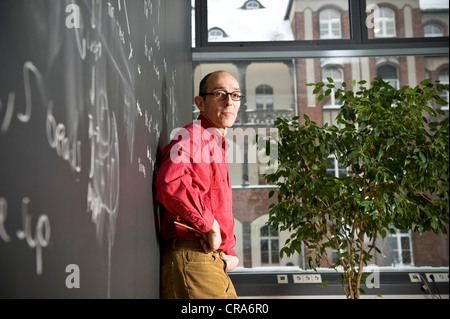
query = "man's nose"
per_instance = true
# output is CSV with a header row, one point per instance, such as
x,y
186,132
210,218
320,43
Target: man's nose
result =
x,y
229,100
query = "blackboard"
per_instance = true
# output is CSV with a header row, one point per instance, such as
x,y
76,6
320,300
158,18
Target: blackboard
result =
x,y
90,91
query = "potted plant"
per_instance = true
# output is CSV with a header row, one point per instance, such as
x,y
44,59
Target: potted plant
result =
x,y
395,151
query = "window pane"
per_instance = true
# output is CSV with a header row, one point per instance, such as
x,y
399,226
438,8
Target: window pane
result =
x,y
278,20
264,231
407,19
291,96
273,233
249,20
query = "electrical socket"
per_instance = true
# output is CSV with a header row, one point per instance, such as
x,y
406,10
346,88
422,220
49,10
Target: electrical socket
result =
x,y
414,277
298,279
438,277
307,278
282,279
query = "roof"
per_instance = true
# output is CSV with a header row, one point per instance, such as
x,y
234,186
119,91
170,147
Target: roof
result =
x,y
241,25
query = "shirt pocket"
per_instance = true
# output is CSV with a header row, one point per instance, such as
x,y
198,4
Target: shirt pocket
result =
x,y
220,194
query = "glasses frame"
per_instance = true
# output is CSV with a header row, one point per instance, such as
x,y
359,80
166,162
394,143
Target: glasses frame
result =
x,y
223,95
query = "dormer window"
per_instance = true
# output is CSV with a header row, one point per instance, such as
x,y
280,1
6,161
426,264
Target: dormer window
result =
x,y
252,5
433,30
216,34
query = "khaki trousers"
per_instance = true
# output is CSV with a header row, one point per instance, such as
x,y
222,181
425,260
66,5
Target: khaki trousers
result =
x,y
187,272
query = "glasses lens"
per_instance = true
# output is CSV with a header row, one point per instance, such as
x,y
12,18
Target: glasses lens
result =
x,y
237,96
222,95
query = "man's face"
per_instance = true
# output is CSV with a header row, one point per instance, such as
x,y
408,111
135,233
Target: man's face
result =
x,y
220,113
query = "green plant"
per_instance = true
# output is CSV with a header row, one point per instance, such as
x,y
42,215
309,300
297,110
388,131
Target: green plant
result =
x,y
396,153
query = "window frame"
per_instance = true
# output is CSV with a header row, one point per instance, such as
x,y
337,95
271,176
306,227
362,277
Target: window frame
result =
x,y
328,21
359,44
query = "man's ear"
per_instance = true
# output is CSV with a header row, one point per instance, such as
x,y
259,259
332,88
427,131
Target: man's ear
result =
x,y
200,103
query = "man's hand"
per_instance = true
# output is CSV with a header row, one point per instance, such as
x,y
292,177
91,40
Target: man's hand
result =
x,y
211,240
232,261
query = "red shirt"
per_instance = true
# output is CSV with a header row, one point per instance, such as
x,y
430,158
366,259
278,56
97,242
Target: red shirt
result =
x,y
193,184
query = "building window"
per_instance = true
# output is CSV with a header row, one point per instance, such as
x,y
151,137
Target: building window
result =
x,y
401,246
334,169
270,252
330,24
216,34
443,77
389,74
338,77
433,30
264,97
252,5
386,23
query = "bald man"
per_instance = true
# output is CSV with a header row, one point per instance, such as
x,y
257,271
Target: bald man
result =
x,y
193,184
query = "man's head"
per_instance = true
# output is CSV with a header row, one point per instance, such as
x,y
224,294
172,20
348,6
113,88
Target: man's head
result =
x,y
219,99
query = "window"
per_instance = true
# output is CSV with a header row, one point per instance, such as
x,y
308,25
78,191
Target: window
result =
x,y
410,19
330,24
273,77
284,83
389,74
216,34
443,77
385,23
264,241
270,253
248,22
433,30
264,97
338,77
334,169
251,5
401,248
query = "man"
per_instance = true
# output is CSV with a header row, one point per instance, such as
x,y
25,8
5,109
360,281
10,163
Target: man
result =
x,y
194,186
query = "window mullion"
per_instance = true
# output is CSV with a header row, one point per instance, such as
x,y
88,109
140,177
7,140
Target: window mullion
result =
x,y
201,23
357,14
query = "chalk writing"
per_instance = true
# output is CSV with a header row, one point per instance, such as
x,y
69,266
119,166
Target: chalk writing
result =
x,y
141,167
103,187
3,213
27,68
41,236
69,150
59,101
8,113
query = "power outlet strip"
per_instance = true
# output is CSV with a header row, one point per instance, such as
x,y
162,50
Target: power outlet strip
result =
x,y
437,277
307,278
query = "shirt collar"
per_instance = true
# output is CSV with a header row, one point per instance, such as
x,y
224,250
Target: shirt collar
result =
x,y
207,124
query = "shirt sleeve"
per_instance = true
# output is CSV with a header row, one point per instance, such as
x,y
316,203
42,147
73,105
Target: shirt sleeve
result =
x,y
183,186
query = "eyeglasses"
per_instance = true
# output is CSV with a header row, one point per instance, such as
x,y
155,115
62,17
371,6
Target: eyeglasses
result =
x,y
223,95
